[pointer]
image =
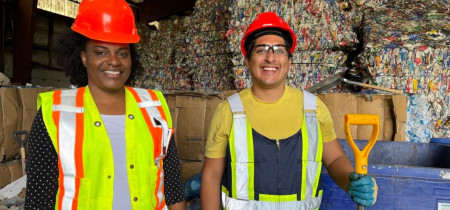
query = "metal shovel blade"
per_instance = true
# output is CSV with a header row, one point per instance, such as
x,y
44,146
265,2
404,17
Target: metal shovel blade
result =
x,y
330,82
325,84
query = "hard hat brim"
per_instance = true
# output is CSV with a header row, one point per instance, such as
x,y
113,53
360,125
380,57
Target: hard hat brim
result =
x,y
108,37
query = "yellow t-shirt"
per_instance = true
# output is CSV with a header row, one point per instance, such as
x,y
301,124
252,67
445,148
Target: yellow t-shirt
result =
x,y
278,120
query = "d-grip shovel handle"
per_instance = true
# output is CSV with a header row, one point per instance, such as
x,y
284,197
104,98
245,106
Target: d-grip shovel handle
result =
x,y
361,157
21,141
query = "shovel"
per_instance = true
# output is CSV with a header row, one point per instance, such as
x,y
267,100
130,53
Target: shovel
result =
x,y
17,135
335,80
361,157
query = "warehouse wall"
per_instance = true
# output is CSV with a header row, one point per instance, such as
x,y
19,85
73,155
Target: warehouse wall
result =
x,y
401,44
50,28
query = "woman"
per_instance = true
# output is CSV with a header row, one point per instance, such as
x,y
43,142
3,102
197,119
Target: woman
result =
x,y
103,145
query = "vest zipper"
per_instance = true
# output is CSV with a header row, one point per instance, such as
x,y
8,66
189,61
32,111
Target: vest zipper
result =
x,y
278,175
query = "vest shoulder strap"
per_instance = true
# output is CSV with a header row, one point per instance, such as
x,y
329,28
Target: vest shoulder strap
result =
x,y
309,101
145,95
235,104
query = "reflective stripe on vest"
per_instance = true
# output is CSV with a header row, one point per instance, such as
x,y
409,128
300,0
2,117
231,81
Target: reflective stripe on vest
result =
x,y
241,151
150,106
238,204
312,146
70,124
68,116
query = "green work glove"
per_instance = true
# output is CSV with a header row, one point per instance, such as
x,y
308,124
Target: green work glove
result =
x,y
362,189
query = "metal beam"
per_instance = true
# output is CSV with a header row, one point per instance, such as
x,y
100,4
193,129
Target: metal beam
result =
x,y
2,35
24,27
151,10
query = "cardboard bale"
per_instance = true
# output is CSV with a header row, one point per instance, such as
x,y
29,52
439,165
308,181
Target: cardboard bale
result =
x,y
191,115
400,104
339,105
190,168
28,100
190,126
389,119
15,169
5,176
172,104
227,93
374,104
391,111
11,120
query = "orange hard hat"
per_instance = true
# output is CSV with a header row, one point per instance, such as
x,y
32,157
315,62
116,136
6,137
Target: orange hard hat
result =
x,y
268,20
106,20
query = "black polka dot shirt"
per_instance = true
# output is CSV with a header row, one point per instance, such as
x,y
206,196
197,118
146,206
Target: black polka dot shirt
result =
x,y
42,170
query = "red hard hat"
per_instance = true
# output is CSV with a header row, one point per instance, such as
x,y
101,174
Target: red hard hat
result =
x,y
106,20
268,20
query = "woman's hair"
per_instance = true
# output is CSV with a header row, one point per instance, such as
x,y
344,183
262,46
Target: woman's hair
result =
x,y
69,59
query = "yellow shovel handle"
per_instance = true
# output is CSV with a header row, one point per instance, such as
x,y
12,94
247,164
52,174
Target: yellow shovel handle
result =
x,y
361,157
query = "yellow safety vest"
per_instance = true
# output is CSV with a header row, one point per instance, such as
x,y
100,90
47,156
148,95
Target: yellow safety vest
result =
x,y
238,187
85,158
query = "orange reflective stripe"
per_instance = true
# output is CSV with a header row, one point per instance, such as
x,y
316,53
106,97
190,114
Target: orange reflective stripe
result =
x,y
61,186
136,96
160,108
163,204
158,179
79,137
157,144
78,147
55,115
159,204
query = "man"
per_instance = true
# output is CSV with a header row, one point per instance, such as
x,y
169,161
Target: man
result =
x,y
266,145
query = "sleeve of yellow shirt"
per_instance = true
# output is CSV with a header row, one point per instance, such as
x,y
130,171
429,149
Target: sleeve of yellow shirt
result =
x,y
219,129
325,121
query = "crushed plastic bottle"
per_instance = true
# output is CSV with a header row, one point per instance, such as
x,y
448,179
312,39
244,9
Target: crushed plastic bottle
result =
x,y
418,126
13,203
192,191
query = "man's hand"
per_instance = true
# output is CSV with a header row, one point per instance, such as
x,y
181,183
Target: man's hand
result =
x,y
362,189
